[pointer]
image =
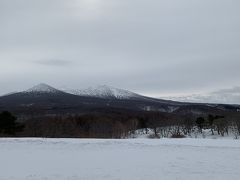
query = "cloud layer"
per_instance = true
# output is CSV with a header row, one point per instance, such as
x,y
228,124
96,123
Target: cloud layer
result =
x,y
53,62
148,46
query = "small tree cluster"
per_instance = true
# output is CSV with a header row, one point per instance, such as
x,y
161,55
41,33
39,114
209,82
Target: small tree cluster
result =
x,y
8,124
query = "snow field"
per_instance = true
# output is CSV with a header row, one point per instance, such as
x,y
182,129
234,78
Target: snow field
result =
x,y
133,159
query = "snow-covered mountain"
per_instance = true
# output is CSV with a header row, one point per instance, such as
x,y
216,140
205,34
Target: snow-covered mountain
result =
x,y
42,88
223,96
46,99
104,91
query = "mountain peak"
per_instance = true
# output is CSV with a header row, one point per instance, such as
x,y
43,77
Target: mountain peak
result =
x,y
42,88
104,91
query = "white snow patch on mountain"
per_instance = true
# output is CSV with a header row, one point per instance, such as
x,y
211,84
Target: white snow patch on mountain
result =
x,y
42,88
103,91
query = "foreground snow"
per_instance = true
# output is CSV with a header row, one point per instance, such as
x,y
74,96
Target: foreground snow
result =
x,y
133,159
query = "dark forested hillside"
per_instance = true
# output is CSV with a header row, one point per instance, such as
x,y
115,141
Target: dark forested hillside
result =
x,y
54,113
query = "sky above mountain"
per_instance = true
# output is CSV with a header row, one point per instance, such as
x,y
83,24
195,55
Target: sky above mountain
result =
x,y
152,47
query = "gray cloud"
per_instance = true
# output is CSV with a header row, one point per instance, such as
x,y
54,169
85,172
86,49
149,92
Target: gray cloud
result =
x,y
54,62
149,46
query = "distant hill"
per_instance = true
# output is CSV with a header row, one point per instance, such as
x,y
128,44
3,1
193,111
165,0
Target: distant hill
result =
x,y
46,100
223,96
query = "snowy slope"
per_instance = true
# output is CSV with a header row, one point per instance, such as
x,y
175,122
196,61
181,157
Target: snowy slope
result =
x,y
42,88
129,159
45,95
9,94
103,91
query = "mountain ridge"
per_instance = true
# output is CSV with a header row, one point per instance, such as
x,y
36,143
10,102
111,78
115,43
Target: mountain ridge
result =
x,y
222,96
43,99
104,91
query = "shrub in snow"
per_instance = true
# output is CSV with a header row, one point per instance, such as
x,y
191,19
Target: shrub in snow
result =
x,y
178,136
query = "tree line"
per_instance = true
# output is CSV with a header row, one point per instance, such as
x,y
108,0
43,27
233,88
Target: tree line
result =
x,y
118,124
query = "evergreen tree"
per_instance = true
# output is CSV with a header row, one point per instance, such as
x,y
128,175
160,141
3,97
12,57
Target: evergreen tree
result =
x,y
8,124
200,122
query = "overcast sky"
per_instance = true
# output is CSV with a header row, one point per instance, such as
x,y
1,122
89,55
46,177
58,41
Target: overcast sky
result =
x,y
153,47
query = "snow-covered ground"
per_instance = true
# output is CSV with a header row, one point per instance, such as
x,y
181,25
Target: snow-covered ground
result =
x,y
130,159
